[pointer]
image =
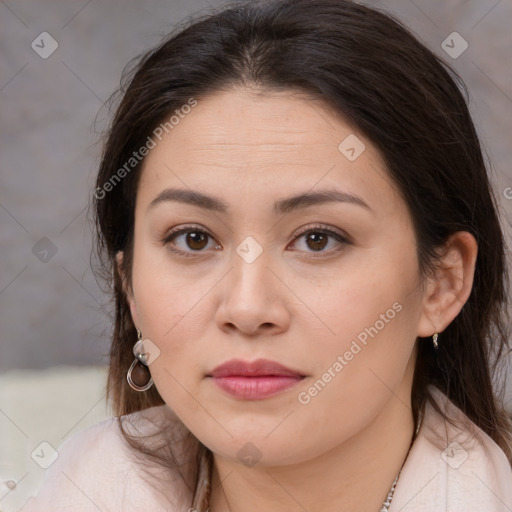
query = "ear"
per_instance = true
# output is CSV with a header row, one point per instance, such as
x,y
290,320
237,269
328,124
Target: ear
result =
x,y
128,292
449,288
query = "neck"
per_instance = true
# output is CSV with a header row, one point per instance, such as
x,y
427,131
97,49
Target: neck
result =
x,y
355,475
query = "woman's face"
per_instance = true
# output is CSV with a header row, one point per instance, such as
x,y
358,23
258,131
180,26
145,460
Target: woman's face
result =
x,y
340,307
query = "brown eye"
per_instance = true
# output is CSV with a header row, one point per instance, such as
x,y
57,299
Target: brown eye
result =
x,y
196,240
189,240
316,241
321,240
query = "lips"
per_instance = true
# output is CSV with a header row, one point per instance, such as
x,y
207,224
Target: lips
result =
x,y
258,368
254,380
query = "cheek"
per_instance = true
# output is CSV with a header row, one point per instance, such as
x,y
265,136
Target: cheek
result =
x,y
359,367
166,296
373,289
371,310
167,306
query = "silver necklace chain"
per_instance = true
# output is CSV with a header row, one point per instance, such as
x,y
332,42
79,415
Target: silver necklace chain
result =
x,y
387,501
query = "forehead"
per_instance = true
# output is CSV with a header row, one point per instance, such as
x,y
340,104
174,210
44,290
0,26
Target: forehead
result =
x,y
262,141
242,123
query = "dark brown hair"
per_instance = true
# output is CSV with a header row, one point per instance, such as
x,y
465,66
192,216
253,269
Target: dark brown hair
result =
x,y
367,67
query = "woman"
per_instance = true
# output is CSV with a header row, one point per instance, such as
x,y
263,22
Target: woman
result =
x,y
309,278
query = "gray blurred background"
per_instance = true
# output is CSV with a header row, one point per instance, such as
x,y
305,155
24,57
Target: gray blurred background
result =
x,y
54,323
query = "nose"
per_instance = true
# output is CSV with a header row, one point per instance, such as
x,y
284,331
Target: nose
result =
x,y
253,299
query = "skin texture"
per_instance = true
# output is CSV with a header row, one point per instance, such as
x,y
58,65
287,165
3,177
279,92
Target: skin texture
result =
x,y
292,304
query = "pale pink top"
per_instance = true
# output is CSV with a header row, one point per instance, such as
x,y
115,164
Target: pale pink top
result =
x,y
448,469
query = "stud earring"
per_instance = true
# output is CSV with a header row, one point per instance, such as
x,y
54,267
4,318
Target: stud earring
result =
x,y
434,341
139,376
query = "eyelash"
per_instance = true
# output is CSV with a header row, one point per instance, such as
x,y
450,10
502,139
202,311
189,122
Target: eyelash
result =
x,y
317,229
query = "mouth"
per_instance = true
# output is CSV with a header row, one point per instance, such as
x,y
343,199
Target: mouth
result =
x,y
254,380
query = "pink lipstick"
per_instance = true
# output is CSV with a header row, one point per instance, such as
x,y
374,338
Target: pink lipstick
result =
x,y
254,380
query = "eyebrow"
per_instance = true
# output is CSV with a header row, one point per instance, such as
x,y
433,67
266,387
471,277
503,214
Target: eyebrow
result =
x,y
287,205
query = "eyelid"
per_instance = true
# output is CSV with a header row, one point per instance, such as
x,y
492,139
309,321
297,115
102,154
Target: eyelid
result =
x,y
324,228
183,228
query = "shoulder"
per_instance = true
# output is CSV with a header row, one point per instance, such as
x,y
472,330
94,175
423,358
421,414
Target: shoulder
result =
x,y
97,469
453,466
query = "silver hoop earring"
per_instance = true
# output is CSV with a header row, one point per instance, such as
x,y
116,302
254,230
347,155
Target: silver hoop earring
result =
x,y
434,340
139,376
